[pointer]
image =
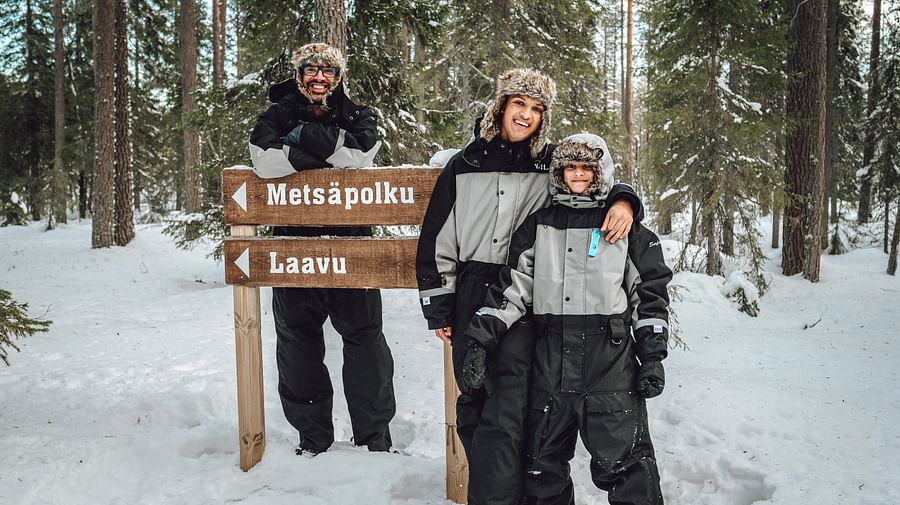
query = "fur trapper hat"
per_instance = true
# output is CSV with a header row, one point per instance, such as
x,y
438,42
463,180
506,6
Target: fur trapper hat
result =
x,y
318,53
520,81
588,149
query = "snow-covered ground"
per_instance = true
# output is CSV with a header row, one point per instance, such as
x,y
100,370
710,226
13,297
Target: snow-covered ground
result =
x,y
130,398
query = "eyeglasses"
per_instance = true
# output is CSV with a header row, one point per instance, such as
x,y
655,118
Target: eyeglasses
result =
x,y
310,71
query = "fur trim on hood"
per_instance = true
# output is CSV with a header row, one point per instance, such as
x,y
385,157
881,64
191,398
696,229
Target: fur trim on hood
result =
x,y
319,54
519,81
588,149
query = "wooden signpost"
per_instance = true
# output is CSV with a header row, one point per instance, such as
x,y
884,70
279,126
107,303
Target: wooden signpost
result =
x,y
327,197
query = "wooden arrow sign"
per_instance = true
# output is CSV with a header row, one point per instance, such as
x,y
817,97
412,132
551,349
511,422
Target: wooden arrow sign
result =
x,y
321,263
332,197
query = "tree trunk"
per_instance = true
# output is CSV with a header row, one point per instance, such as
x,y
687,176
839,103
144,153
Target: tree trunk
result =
x,y
605,98
104,127
887,223
664,221
628,175
331,22
60,185
138,187
219,11
124,191
189,104
82,194
727,246
805,152
892,259
622,59
32,125
713,261
833,10
695,221
865,187
238,41
776,226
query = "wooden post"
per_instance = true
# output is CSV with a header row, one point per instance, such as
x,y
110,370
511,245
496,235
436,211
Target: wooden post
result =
x,y
248,349
457,464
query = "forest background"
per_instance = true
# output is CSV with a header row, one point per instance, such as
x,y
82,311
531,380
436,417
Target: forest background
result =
x,y
721,113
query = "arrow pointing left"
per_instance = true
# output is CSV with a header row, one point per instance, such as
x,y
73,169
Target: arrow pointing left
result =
x,y
240,196
243,262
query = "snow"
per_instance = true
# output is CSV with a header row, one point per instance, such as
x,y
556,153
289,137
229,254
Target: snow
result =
x,y
130,398
669,192
440,158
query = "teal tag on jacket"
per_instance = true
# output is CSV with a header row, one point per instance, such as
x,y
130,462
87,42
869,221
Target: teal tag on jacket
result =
x,y
595,242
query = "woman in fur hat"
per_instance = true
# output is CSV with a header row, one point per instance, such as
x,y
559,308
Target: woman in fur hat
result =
x,y
483,194
601,310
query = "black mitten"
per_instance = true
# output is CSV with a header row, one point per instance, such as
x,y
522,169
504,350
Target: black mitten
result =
x,y
651,378
293,137
474,365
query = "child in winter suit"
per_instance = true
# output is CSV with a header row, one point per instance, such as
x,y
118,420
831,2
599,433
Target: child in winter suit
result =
x,y
600,313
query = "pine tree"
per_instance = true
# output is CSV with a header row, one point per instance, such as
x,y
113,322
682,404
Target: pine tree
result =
x,y
124,178
805,156
102,207
27,54
15,324
885,171
59,185
847,113
865,187
712,66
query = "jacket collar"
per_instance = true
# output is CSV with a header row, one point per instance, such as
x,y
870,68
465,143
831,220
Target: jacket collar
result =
x,y
288,88
478,147
578,201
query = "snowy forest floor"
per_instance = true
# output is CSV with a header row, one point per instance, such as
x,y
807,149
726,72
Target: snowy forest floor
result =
x,y
130,398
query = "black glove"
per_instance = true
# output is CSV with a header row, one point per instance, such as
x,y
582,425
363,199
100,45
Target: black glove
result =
x,y
651,379
474,365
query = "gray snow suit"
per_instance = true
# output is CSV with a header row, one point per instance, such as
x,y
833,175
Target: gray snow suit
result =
x,y
483,194
597,308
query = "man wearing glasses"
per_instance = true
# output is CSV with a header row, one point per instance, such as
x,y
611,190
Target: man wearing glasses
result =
x,y
313,124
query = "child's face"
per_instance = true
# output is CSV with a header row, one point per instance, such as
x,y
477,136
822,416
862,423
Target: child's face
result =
x,y
578,177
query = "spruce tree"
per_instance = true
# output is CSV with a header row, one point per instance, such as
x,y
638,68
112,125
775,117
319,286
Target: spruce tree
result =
x,y
712,67
885,176
15,324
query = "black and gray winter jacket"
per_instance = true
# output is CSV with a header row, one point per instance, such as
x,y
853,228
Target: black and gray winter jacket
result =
x,y
483,194
579,286
344,137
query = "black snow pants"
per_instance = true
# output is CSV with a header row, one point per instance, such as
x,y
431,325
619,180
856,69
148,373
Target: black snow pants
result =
x,y
490,420
304,384
584,383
